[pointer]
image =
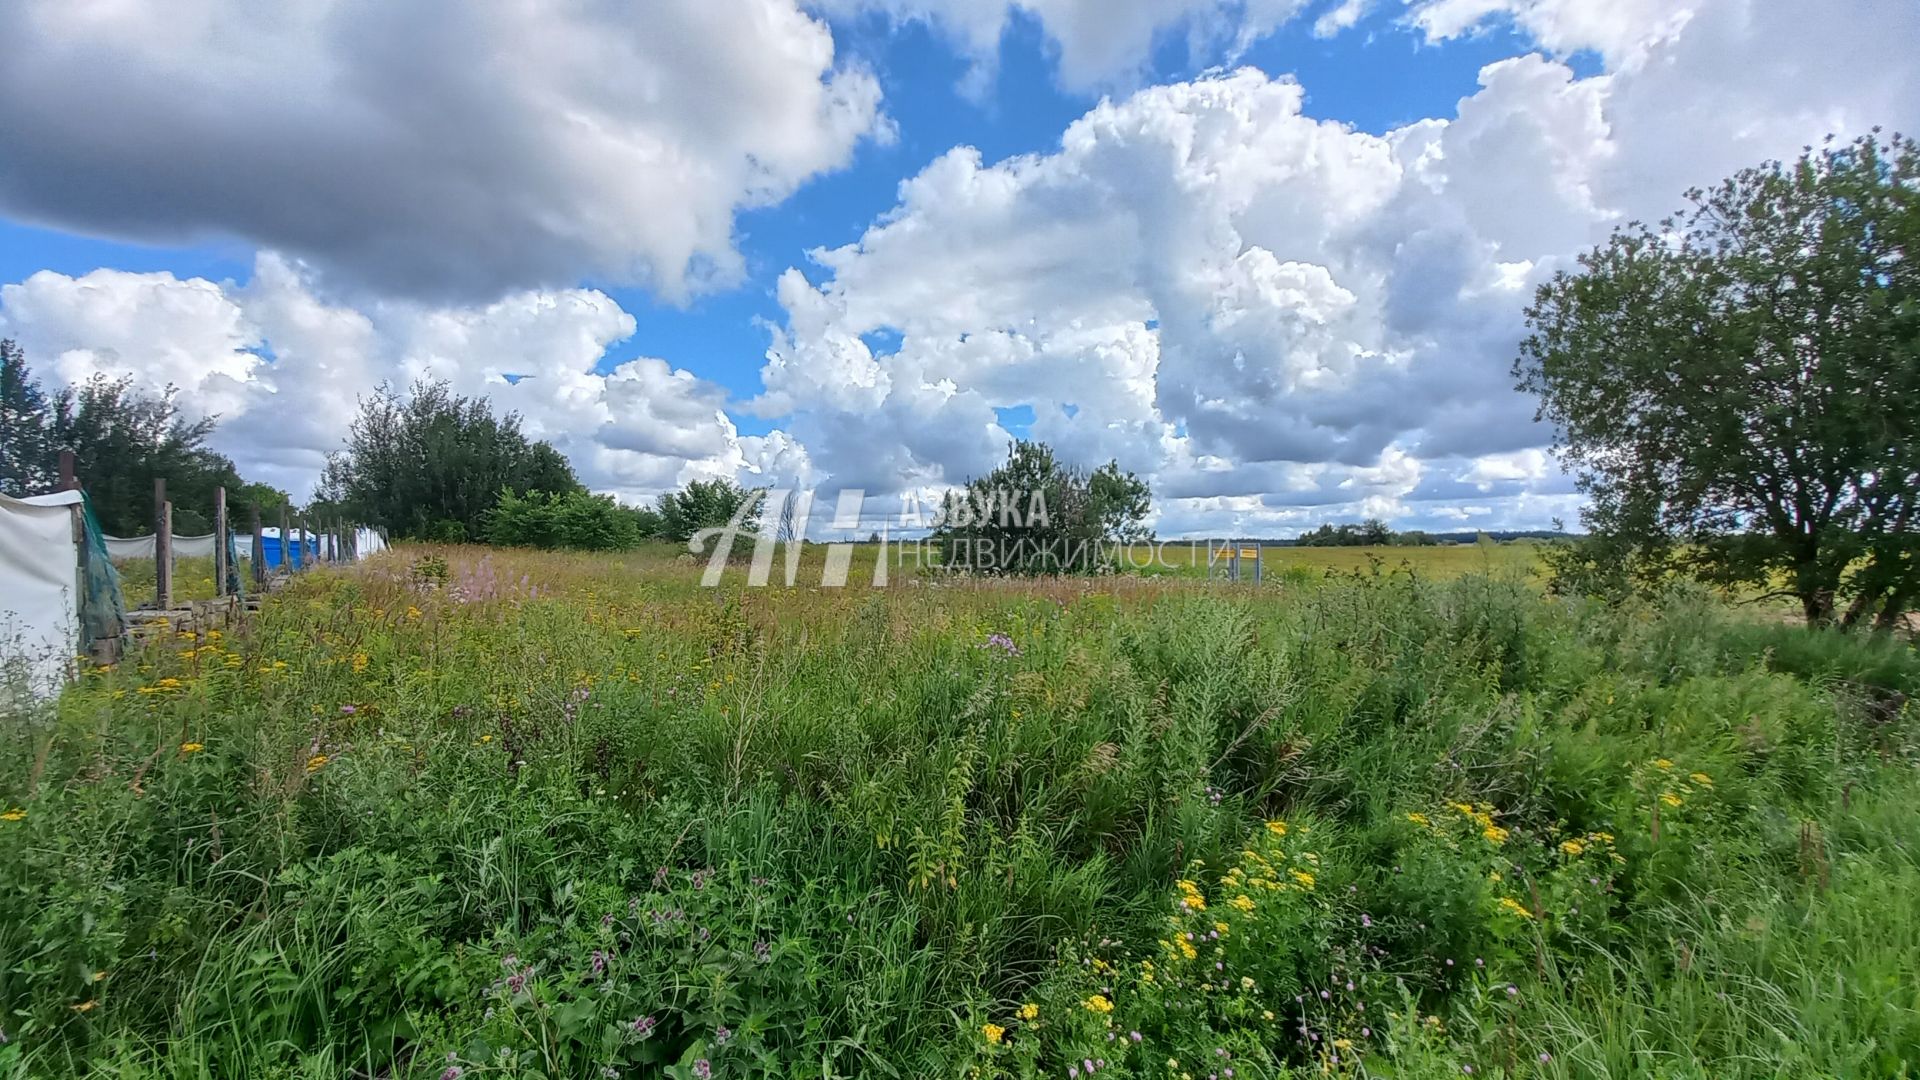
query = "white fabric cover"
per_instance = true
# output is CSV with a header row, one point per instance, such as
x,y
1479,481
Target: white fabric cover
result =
x,y
39,591
141,547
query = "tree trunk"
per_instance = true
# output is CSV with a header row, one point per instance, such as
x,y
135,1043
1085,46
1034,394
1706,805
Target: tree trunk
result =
x,y
1818,606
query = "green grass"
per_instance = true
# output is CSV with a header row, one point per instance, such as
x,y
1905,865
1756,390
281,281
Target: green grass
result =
x,y
455,809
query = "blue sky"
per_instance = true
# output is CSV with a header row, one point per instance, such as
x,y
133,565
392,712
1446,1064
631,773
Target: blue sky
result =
x,y
1277,322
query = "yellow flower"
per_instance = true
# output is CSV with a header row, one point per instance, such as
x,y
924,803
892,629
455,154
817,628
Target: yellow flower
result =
x,y
1186,947
1671,799
85,1006
1572,847
1220,928
359,663
1418,819
413,612
1508,903
1267,1015
192,747
1305,879
1029,1011
993,1032
1663,763
1494,834
1701,778
1246,982
1243,902
1277,828
316,762
15,814
1098,1004
487,738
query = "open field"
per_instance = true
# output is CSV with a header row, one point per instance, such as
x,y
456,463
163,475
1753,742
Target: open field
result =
x,y
467,813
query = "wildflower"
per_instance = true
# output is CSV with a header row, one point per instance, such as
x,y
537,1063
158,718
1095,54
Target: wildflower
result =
x,y
192,747
1029,1011
702,1068
1134,1036
1305,879
1277,828
1098,1004
1246,982
360,661
1419,819
643,1025
85,1006
1508,903
993,1032
316,763
1572,847
15,814
1494,834
1671,799
451,1072
1002,642
721,1035
348,710
1663,764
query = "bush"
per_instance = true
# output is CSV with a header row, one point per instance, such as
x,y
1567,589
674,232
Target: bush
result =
x,y
575,521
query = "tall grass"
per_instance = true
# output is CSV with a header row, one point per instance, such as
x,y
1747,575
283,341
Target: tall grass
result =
x,y
461,813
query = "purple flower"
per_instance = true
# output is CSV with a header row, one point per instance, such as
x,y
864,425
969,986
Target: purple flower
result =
x,y
451,1072
721,1035
1366,919
703,1068
643,1024
347,710
1134,1035
1002,642
599,962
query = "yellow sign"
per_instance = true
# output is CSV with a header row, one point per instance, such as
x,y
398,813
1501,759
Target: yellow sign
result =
x,y
1249,553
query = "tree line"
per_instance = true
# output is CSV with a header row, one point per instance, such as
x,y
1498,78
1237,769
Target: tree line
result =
x,y
121,440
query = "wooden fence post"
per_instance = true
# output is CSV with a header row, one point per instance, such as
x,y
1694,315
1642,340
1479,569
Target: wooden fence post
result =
x,y
68,481
162,546
259,550
286,553
220,540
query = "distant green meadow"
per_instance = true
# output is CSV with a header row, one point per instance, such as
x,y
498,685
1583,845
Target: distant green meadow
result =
x,y
460,812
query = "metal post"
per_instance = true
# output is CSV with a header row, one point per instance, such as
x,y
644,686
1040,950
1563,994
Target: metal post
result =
x,y
220,541
162,546
259,550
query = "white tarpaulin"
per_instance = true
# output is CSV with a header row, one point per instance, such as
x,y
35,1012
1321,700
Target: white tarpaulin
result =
x,y
141,547
39,589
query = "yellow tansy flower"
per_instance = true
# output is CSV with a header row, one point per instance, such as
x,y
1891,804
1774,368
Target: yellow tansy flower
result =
x,y
1099,1004
1029,1011
1508,903
192,747
993,1032
15,814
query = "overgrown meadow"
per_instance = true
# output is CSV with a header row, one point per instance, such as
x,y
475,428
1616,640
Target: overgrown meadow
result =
x,y
460,814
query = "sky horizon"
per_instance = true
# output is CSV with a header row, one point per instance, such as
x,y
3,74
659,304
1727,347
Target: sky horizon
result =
x,y
1272,255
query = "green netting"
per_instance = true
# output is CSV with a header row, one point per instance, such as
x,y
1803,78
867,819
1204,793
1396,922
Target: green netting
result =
x,y
103,612
233,566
